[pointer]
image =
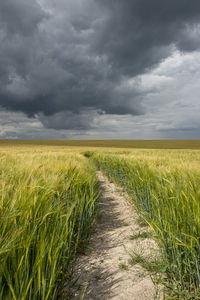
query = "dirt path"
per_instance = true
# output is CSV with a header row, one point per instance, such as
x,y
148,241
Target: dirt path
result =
x,y
105,271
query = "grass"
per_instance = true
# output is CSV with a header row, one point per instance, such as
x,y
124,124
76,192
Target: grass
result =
x,y
141,235
151,265
141,221
47,209
123,266
165,188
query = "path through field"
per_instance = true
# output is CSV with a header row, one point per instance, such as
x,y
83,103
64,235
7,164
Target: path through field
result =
x,y
105,270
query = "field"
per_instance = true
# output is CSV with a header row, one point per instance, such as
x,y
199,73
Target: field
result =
x,y
142,144
47,211
164,187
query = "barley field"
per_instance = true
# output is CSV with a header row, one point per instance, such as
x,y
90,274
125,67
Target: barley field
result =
x,y
165,189
47,211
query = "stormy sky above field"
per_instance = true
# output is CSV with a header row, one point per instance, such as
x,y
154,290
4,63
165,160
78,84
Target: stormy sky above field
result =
x,y
95,69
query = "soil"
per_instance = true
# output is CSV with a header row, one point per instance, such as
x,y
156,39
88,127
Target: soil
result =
x,y
104,272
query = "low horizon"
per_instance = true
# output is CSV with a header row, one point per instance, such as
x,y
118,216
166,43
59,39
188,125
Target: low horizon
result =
x,y
128,144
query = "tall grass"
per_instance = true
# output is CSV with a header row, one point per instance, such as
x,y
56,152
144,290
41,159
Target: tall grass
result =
x,y
166,192
47,204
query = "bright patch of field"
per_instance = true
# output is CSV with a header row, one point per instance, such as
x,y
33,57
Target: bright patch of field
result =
x,y
46,213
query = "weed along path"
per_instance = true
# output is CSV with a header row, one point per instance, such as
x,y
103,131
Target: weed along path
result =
x,y
113,265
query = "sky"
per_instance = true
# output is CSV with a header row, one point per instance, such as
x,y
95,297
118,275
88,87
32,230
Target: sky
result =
x,y
99,69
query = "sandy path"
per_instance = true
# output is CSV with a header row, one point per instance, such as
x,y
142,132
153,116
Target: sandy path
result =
x,y
101,277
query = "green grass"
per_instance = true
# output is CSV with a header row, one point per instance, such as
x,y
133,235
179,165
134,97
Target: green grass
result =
x,y
141,235
123,266
151,265
141,222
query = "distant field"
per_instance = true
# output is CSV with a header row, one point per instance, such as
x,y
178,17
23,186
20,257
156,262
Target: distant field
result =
x,y
145,144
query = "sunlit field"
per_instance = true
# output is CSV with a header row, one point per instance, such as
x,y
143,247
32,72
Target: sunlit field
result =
x,y
47,212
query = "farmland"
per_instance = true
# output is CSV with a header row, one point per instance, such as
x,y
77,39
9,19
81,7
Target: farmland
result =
x,y
47,211
142,144
164,187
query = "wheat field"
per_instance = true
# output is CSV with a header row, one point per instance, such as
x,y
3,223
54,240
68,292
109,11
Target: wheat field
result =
x,y
47,212
165,189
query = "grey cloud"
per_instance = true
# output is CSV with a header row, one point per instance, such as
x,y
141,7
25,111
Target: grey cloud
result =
x,y
20,16
69,120
139,33
65,62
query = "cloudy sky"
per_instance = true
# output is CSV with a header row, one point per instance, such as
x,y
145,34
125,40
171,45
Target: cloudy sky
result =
x,y
95,69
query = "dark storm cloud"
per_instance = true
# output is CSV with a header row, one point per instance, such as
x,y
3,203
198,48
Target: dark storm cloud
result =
x,y
67,61
139,33
20,16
